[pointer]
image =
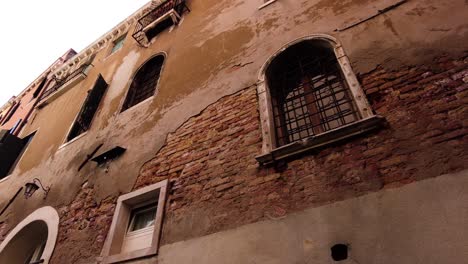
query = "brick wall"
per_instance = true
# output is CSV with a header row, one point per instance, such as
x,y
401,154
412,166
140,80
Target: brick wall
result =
x,y
217,183
83,228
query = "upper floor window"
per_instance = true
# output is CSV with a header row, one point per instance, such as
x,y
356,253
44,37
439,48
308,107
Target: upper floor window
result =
x,y
118,44
309,93
39,88
11,112
309,96
144,83
88,110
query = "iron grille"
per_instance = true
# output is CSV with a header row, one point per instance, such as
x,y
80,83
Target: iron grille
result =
x,y
87,112
310,96
60,82
144,84
156,11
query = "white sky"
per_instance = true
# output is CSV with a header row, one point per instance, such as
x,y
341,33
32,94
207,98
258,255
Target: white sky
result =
x,y
35,33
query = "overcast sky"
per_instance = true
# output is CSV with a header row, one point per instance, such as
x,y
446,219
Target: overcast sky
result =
x,y
35,33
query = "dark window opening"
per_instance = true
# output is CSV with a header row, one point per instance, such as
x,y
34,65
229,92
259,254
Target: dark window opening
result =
x,y
144,83
87,112
309,92
11,112
160,27
39,89
339,252
11,150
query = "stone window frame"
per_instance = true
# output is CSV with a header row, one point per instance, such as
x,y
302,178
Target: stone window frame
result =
x,y
369,121
111,252
51,218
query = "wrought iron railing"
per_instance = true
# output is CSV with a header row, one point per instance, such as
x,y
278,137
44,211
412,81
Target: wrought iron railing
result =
x,y
60,82
158,11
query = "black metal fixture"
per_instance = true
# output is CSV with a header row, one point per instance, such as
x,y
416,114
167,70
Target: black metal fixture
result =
x,y
104,159
32,187
109,155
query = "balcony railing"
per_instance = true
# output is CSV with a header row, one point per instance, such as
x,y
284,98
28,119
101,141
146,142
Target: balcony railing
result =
x,y
158,14
77,74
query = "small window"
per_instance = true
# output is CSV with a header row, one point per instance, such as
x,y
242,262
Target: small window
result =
x,y
160,27
118,44
87,112
136,225
144,83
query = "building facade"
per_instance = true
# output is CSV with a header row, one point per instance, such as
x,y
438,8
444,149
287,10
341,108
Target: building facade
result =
x,y
251,132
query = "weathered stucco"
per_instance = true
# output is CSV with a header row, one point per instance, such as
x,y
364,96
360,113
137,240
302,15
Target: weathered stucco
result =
x,y
216,51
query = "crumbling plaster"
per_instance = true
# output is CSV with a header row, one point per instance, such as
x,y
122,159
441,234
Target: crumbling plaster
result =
x,y
217,50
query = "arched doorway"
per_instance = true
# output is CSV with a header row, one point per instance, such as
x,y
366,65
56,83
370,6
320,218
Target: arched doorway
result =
x,y
33,239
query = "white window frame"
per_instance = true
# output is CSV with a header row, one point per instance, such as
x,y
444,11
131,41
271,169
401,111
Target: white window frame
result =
x,y
112,250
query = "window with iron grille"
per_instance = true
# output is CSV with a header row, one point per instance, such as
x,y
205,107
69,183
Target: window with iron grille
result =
x,y
87,112
309,93
144,83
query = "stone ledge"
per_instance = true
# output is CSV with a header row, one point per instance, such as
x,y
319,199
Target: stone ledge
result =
x,y
321,140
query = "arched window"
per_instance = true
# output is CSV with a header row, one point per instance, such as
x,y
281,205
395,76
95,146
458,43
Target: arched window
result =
x,y
308,91
144,83
308,97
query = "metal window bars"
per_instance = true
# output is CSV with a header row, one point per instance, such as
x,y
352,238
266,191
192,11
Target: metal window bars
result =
x,y
60,82
310,96
156,11
144,84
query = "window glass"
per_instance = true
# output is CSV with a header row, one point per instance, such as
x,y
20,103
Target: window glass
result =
x,y
118,44
143,217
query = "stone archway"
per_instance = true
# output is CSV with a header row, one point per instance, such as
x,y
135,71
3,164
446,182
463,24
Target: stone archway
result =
x,y
38,229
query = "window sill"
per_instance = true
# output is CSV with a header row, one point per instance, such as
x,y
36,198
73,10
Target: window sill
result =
x,y
73,140
266,4
138,105
324,139
5,178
